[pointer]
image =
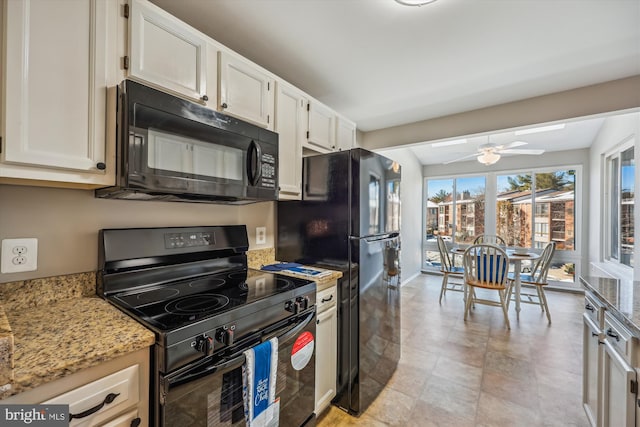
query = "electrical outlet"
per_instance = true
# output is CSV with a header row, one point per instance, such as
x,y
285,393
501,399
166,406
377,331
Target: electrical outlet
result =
x,y
19,255
261,235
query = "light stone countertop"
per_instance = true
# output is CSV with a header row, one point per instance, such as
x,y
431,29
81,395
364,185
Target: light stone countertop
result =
x,y
258,257
57,326
621,297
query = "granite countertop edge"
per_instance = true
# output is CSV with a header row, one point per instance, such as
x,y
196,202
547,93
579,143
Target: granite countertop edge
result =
x,y
59,339
602,288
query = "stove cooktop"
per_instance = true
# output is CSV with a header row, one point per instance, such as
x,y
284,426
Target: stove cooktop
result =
x,y
180,303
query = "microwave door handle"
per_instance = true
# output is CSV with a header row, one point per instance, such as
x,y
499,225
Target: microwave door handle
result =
x,y
254,171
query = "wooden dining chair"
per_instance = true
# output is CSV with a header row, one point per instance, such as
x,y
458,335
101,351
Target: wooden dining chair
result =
x,y
448,269
490,238
537,277
486,266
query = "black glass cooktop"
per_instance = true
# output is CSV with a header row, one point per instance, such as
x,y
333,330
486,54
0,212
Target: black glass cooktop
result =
x,y
176,304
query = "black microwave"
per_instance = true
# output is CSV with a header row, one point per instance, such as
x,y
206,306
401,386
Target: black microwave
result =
x,y
172,149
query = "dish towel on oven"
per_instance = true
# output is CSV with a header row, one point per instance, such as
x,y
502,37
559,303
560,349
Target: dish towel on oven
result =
x,y
259,385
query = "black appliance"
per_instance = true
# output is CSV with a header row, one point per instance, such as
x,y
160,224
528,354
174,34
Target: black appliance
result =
x,y
192,287
349,220
172,149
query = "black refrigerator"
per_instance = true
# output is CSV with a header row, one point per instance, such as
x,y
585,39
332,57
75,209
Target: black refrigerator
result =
x,y
349,220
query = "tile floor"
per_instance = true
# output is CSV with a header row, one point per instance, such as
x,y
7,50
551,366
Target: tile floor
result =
x,y
477,373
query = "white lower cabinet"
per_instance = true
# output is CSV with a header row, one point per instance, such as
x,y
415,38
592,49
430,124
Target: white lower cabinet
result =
x,y
327,348
610,385
619,382
115,393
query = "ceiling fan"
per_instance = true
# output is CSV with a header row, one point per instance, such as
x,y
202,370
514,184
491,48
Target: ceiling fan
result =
x,y
489,153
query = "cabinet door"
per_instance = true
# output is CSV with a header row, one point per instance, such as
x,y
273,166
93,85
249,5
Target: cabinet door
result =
x,y
245,91
290,124
322,124
345,134
591,372
57,73
619,395
326,357
167,52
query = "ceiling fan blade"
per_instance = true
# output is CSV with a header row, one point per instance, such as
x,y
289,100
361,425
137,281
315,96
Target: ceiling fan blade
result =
x,y
462,158
522,151
513,145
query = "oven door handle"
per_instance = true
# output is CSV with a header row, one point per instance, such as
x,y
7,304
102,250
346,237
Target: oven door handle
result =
x,y
286,336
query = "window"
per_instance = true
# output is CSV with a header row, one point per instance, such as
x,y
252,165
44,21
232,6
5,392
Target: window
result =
x,y
620,173
454,211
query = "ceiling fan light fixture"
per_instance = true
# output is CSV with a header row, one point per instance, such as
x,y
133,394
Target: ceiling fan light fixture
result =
x,y
414,2
488,158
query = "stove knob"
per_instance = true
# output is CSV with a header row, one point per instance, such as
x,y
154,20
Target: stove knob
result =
x,y
302,303
204,344
225,336
292,307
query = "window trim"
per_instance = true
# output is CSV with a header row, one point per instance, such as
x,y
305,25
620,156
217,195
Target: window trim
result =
x,y
606,242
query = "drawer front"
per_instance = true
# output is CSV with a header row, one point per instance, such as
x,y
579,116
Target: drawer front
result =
x,y
102,399
594,309
619,337
326,298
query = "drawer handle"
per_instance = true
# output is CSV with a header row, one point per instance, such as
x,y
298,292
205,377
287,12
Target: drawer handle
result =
x,y
110,398
589,307
327,299
613,334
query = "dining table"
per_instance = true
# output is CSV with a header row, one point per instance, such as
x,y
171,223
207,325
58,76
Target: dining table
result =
x,y
516,259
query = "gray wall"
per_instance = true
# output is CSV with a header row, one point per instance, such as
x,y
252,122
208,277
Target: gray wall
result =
x,y
66,223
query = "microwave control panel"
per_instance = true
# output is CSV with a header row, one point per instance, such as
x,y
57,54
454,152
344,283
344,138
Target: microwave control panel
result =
x,y
268,175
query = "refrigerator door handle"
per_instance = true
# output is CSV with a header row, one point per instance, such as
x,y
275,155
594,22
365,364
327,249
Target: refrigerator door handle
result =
x,y
377,238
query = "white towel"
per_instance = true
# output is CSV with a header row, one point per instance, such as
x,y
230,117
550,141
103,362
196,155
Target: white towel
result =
x,y
260,372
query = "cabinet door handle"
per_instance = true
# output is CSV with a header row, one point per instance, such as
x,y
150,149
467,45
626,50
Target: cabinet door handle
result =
x,y
224,105
327,299
101,166
593,334
589,307
109,399
204,98
135,422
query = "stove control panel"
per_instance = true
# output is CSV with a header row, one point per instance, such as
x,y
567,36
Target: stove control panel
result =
x,y
188,240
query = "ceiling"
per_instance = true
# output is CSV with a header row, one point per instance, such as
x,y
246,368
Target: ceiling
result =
x,y
382,64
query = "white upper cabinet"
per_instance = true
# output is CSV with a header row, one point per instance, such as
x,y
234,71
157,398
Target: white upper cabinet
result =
x,y
291,125
245,91
60,58
322,127
171,54
345,134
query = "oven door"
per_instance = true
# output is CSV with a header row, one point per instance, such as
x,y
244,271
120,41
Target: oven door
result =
x,y
210,394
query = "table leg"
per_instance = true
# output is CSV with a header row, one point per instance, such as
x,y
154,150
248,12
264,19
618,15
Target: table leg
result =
x,y
517,265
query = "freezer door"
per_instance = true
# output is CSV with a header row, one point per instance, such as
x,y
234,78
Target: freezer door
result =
x,y
375,194
376,328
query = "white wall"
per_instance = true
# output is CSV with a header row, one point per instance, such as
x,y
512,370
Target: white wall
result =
x,y
615,130
66,223
411,211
